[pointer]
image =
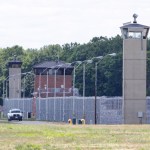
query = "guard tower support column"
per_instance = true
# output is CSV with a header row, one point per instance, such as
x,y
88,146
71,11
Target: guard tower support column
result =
x,y
134,72
15,78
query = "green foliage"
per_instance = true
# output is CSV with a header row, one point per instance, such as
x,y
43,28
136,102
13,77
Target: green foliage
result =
x,y
98,46
109,79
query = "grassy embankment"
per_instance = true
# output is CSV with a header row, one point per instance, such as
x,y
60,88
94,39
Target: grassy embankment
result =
x,y
74,137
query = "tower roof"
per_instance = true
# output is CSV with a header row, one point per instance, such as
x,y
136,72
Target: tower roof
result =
x,y
14,61
135,25
52,64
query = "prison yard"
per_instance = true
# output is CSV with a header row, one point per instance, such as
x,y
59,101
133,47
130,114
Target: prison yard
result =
x,y
53,136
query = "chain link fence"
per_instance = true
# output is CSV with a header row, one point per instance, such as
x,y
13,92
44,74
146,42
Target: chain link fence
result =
x,y
60,109
24,104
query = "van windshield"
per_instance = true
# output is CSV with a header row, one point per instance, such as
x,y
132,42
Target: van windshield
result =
x,y
15,111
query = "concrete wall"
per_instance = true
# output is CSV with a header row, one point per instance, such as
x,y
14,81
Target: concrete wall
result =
x,y
134,80
14,82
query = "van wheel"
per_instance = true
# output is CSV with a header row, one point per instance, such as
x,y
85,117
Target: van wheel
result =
x,y
20,119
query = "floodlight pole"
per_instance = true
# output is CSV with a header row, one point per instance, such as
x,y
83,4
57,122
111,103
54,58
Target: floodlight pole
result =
x,y
55,90
54,94
95,93
24,87
64,89
99,57
47,85
74,78
83,90
3,89
74,90
84,64
6,90
40,85
64,94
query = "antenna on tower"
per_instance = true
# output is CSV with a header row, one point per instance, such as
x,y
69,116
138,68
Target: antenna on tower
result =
x,y
135,16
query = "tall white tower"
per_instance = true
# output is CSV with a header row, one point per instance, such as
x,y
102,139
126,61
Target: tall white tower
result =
x,y
15,78
134,72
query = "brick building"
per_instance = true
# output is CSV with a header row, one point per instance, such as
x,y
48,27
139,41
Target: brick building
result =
x,y
53,79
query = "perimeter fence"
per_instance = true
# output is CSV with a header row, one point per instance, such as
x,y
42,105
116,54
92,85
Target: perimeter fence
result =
x,y
108,109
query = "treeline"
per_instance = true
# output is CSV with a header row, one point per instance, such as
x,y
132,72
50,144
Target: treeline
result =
x,y
109,79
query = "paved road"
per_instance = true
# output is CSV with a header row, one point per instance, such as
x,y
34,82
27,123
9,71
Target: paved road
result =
x,y
30,122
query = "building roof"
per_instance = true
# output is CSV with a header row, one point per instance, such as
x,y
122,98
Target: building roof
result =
x,y
134,25
14,61
53,64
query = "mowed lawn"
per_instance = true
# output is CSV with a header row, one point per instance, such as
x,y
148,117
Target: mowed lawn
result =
x,y
74,137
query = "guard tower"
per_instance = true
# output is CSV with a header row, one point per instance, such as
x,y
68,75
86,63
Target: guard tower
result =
x,y
134,72
14,78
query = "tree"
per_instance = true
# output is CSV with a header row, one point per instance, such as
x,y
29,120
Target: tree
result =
x,y
109,69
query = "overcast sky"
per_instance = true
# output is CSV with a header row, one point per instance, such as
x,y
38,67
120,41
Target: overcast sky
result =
x,y
35,23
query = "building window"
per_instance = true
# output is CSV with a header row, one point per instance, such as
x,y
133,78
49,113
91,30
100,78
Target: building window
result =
x,y
15,66
51,72
135,35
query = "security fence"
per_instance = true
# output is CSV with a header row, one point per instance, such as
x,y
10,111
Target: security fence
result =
x,y
60,109
148,110
24,104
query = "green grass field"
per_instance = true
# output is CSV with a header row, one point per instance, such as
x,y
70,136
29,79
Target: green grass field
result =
x,y
74,137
